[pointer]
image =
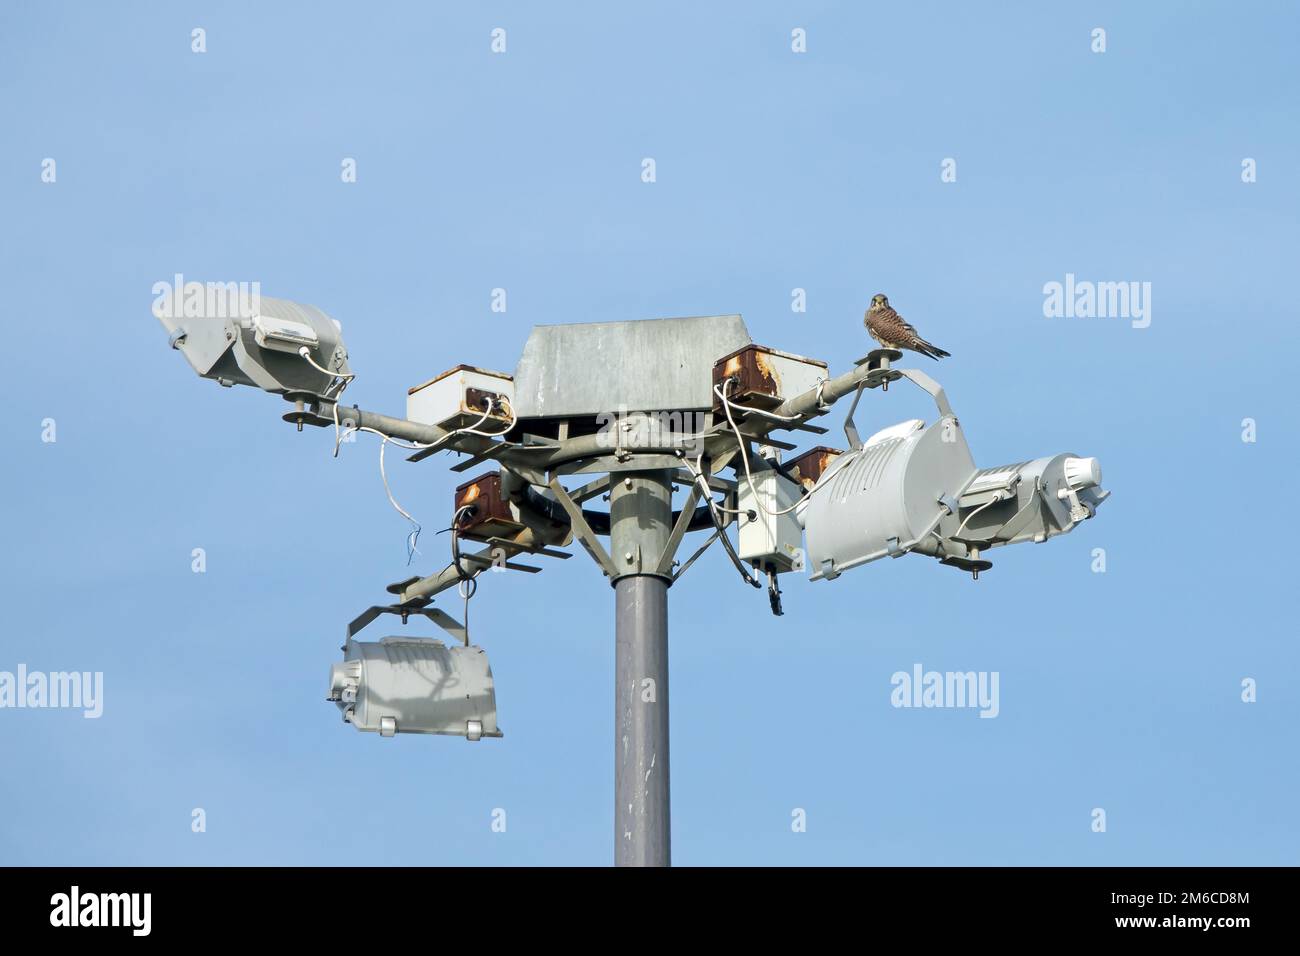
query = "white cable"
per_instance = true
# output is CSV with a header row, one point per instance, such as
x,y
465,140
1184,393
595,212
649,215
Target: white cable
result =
x,y
472,430
409,446
352,429
718,522
337,437
387,490
414,536
420,446
992,501
345,376
744,455
697,472
756,411
343,380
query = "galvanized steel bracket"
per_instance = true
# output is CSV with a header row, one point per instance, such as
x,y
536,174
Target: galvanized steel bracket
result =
x,y
586,537
437,615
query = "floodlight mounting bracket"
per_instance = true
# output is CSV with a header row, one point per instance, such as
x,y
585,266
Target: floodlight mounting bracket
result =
x,y
437,615
930,385
879,375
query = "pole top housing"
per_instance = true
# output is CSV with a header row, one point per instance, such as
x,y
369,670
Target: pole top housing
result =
x,y
648,365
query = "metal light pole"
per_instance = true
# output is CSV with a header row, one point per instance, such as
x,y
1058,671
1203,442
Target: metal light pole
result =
x,y
640,523
693,395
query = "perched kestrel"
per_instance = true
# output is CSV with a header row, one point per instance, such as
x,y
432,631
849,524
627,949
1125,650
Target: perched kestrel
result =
x,y
894,332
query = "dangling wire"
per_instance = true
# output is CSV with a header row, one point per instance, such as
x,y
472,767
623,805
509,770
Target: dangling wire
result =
x,y
340,381
414,536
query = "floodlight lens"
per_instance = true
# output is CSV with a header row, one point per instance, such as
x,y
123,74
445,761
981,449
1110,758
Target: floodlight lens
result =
x,y
1082,473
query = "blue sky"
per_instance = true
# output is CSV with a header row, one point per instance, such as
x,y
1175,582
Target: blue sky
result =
x,y
775,171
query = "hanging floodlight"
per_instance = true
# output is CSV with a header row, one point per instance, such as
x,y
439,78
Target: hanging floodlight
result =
x,y
415,685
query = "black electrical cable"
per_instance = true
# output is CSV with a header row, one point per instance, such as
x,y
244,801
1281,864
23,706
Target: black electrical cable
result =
x,y
722,533
462,512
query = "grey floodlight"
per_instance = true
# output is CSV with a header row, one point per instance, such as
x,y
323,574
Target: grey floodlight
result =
x,y
910,488
260,345
416,685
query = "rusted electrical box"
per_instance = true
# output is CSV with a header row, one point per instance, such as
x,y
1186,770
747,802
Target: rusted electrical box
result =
x,y
808,467
491,516
763,377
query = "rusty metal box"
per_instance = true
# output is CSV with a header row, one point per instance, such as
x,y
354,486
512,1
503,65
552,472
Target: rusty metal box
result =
x,y
763,377
808,467
492,516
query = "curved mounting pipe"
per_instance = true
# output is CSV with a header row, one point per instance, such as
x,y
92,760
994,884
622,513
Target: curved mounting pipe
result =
x,y
540,457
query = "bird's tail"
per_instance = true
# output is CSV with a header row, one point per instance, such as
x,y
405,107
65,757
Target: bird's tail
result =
x,y
933,351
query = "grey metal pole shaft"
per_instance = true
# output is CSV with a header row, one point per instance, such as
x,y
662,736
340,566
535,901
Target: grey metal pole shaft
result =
x,y
640,520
